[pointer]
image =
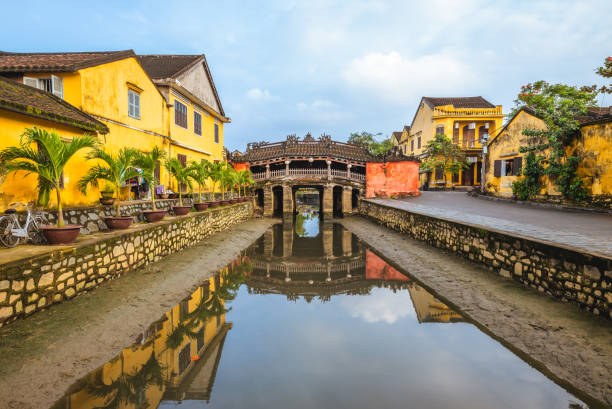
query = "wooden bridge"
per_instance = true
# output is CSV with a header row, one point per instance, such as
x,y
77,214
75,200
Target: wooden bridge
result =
x,y
336,170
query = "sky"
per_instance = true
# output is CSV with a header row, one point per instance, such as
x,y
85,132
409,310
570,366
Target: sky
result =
x,y
336,67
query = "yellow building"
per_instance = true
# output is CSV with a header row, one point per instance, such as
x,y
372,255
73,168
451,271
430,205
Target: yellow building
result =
x,y
180,112
21,104
175,359
467,120
196,114
593,145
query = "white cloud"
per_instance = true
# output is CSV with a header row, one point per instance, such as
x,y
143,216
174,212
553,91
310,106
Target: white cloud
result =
x,y
321,110
256,94
393,77
382,305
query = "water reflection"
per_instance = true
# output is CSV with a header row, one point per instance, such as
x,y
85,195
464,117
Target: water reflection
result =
x,y
175,359
357,333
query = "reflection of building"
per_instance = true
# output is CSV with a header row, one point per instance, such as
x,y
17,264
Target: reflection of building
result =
x,y
429,309
332,263
175,359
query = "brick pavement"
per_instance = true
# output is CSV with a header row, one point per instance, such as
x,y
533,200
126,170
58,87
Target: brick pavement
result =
x,y
584,231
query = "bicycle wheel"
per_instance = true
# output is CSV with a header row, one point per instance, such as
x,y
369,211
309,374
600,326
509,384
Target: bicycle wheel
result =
x,y
36,236
6,236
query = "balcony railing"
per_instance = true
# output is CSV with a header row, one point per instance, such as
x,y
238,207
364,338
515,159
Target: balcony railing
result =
x,y
322,173
497,111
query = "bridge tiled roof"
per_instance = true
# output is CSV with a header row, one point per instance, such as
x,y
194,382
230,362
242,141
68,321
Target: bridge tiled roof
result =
x,y
307,147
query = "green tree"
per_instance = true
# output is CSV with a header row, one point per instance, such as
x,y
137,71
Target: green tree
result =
x,y
442,153
605,71
180,173
559,106
215,176
115,169
244,180
47,161
368,141
148,162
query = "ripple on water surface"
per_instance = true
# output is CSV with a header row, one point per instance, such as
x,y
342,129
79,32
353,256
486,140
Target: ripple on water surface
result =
x,y
309,317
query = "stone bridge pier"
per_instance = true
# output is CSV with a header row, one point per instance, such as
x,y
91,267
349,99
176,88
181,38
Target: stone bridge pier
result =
x,y
335,199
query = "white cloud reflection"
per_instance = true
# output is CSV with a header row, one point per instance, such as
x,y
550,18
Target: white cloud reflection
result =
x,y
382,305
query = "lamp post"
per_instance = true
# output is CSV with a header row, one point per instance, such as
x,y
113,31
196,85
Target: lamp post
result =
x,y
484,140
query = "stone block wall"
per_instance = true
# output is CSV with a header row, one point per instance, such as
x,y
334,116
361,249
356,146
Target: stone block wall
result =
x,y
564,273
31,284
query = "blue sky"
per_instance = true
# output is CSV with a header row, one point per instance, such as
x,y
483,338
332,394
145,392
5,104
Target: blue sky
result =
x,y
336,66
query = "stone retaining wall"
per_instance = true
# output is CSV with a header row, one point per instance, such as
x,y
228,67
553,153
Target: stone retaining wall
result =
x,y
564,273
31,284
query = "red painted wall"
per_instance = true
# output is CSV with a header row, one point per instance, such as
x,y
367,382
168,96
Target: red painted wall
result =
x,y
379,269
386,179
241,165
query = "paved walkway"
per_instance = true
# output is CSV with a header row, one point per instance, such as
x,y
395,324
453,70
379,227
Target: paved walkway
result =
x,y
585,231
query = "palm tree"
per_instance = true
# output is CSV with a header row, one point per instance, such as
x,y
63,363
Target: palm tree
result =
x,y
180,173
148,162
47,161
216,174
115,169
200,172
225,178
244,180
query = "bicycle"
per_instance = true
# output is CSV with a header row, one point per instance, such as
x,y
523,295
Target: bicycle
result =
x,y
11,232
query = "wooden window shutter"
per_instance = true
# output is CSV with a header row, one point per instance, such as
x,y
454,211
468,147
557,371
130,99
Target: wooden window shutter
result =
x,y
456,134
497,168
57,86
517,167
30,82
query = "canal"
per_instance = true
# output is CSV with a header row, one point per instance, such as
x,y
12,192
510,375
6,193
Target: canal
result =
x,y
309,316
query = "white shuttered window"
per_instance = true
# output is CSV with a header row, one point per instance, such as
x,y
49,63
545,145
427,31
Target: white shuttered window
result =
x,y
133,104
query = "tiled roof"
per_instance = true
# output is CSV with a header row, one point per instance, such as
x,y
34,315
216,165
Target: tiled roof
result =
x,y
596,115
459,102
407,128
293,147
166,66
31,101
396,135
57,62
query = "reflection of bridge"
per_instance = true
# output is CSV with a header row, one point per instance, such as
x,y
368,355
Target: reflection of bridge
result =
x,y
336,170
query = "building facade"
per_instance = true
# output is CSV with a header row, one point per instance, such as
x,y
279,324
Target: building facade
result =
x,y
593,145
21,105
466,120
166,101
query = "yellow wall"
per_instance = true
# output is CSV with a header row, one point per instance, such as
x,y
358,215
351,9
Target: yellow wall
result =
x,y
505,145
594,146
16,188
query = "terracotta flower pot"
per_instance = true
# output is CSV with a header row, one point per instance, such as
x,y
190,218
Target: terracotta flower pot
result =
x,y
61,235
107,195
153,216
200,207
181,210
213,204
233,201
224,202
118,223
107,201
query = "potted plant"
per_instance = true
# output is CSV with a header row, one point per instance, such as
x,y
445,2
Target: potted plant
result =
x,y
225,180
116,170
148,162
200,173
107,194
182,175
244,180
48,162
215,175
